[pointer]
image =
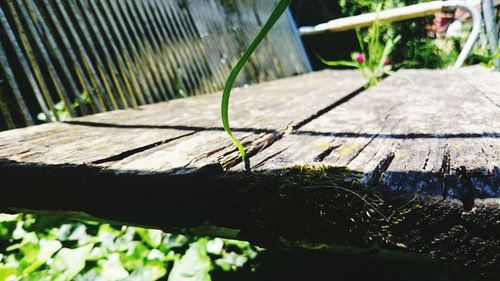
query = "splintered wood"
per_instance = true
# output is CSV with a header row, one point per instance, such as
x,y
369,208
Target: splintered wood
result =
x,y
431,132
166,137
413,161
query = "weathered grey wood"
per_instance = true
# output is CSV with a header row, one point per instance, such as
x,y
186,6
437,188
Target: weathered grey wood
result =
x,y
263,108
401,147
417,131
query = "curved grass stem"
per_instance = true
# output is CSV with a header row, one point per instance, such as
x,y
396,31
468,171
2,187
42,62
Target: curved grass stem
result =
x,y
276,14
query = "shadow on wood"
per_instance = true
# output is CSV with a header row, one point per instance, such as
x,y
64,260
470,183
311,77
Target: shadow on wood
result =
x,y
303,207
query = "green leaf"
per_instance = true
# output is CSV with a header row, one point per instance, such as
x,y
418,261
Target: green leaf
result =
x,y
44,275
215,246
6,272
195,265
231,261
37,255
8,218
276,14
340,63
6,229
112,269
69,262
152,237
150,272
171,241
91,275
135,256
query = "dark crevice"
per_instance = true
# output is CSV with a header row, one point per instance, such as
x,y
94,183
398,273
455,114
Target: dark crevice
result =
x,y
256,147
309,133
361,150
221,149
467,195
326,153
261,163
491,135
426,160
131,152
381,168
444,171
328,108
167,127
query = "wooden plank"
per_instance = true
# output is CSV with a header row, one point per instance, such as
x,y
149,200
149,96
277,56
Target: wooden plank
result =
x,y
417,131
70,163
106,136
416,126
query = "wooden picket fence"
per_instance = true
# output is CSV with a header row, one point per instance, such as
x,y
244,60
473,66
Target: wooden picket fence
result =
x,y
66,58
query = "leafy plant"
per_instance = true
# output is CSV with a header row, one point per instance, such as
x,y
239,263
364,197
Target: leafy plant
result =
x,y
55,248
61,113
415,48
275,15
484,57
373,60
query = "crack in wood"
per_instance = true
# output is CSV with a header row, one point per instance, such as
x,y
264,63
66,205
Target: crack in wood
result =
x,y
128,153
326,153
234,158
426,162
361,150
382,167
444,171
261,163
328,108
206,155
467,195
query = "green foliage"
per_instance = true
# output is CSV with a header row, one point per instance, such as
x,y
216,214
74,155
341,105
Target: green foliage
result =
x,y
53,248
414,48
61,113
376,47
483,56
276,14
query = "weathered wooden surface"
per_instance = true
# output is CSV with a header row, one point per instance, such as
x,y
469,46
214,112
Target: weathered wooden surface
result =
x,y
430,132
195,123
417,156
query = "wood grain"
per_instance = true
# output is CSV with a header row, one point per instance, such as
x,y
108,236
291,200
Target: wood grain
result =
x,y
101,137
418,131
409,166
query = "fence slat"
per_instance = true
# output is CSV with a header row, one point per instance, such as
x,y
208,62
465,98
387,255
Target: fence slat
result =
x,y
41,92
77,57
146,77
15,89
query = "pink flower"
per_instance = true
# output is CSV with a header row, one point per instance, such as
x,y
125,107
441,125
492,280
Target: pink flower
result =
x,y
387,62
359,57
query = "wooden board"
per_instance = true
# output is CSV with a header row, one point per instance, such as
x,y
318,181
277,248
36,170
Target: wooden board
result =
x,y
409,167
114,135
430,132
127,155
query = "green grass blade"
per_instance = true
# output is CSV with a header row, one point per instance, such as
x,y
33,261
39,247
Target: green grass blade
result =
x,y
339,62
276,14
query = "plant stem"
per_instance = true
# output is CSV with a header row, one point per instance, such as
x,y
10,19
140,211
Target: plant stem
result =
x,y
276,14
